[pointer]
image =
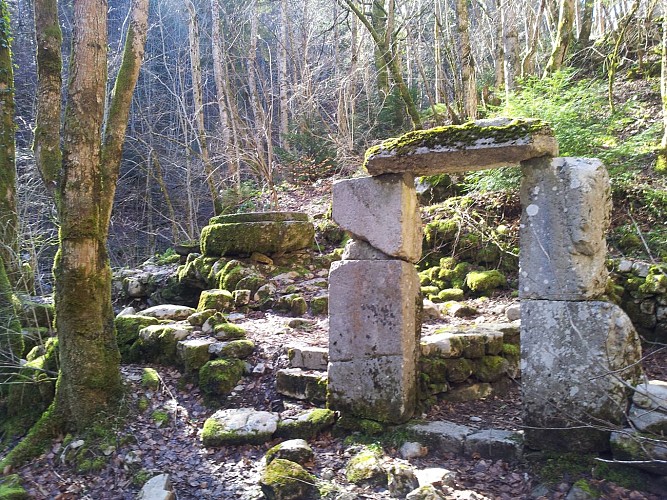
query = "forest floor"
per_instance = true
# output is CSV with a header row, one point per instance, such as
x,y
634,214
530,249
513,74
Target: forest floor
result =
x,y
146,448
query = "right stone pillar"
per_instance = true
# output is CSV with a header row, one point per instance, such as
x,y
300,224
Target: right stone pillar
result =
x,y
579,356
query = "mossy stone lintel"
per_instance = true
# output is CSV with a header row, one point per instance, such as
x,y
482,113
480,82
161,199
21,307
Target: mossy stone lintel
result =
x,y
259,217
460,148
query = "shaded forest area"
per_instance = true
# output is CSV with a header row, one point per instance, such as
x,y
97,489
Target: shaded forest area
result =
x,y
236,98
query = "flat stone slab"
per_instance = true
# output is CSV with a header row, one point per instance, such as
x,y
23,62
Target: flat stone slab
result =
x,y
239,426
383,211
495,444
308,357
296,383
157,488
443,436
462,148
259,217
577,361
566,206
168,311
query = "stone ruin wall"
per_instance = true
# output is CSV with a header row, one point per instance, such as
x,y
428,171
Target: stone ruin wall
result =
x,y
578,354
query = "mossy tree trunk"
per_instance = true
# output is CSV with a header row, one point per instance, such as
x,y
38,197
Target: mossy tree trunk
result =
x,y
84,185
8,216
564,36
661,165
468,76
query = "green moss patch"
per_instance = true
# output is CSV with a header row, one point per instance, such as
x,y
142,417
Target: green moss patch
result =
x,y
219,376
482,282
288,480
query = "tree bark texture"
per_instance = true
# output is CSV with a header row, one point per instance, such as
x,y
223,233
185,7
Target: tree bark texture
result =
x,y
467,62
89,380
48,155
9,247
564,36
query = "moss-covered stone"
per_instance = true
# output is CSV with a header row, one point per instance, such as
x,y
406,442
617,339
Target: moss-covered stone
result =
x,y
347,423
451,294
435,368
259,217
655,283
319,305
244,238
193,354
490,368
12,489
482,282
199,318
217,299
127,332
31,393
293,304
306,425
440,232
218,377
229,331
287,480
458,369
230,275
150,378
294,450
157,343
37,311
160,417
366,468
240,349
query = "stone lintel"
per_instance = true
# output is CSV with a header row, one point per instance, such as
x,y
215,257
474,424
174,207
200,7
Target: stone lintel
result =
x,y
382,211
452,149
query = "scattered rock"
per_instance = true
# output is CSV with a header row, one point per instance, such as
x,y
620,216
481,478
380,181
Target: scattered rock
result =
x,y
239,426
157,488
366,468
286,480
169,311
411,449
294,450
401,479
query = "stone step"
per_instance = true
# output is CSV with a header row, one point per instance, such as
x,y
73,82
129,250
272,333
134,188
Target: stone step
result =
x,y
308,357
309,385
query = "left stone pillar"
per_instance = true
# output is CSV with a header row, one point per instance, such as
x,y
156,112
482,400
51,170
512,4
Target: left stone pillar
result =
x,y
374,299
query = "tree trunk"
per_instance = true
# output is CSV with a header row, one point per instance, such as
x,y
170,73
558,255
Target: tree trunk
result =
x,y
528,58
467,62
379,23
661,165
219,72
283,77
198,101
511,47
89,382
9,245
586,24
564,36
393,63
48,155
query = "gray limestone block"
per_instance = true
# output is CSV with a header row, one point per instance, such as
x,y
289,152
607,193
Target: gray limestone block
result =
x,y
383,211
566,205
495,444
461,148
362,250
157,488
651,395
373,309
382,389
648,420
308,357
578,360
642,452
296,383
443,436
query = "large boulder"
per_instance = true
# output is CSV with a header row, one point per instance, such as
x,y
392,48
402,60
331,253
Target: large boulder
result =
x,y
262,232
